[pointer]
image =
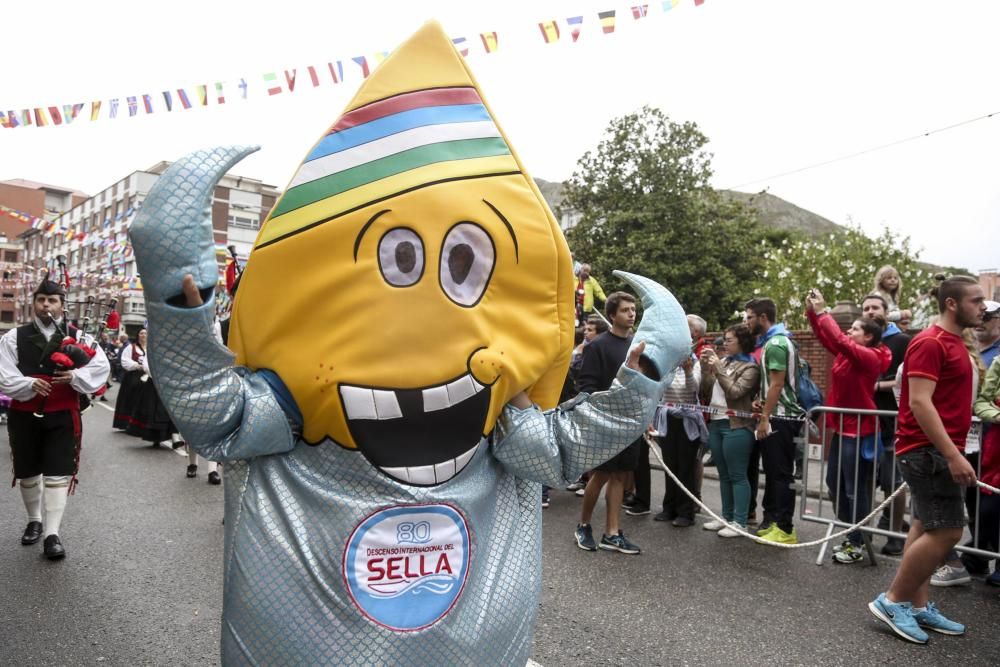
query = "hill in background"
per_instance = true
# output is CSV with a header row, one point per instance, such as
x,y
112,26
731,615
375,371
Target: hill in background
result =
x,y
771,210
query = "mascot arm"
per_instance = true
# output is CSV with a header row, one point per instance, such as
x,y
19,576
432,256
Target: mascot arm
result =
x,y
556,446
224,412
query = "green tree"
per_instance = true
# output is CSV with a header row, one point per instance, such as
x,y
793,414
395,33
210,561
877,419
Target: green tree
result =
x,y
842,266
646,207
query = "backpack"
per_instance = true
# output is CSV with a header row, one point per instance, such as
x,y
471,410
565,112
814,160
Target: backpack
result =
x,y
808,394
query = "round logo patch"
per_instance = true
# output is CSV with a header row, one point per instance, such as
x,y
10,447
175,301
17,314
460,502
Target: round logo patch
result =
x,y
406,566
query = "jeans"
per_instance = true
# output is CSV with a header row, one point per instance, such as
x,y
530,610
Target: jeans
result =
x,y
731,449
849,478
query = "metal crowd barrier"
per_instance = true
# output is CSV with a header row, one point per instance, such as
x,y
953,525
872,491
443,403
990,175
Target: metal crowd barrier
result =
x,y
864,474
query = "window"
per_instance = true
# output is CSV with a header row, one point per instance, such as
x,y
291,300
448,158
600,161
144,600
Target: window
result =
x,y
8,296
244,222
137,307
10,256
6,316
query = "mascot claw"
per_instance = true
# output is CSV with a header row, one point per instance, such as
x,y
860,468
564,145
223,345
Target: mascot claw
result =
x,y
177,209
663,327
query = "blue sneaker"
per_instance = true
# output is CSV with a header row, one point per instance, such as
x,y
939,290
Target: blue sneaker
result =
x,y
899,617
619,543
932,619
585,537
994,578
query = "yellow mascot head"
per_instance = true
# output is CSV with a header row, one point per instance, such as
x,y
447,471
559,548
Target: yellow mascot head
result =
x,y
411,279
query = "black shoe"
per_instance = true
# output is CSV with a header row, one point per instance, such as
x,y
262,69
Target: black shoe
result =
x,y
53,548
628,499
214,478
178,444
682,522
192,470
664,516
893,546
32,533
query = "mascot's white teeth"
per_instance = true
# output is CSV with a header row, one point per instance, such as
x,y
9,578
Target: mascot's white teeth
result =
x,y
432,474
365,403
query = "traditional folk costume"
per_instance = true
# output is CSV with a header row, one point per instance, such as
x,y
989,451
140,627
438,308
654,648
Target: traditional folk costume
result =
x,y
150,419
381,492
132,359
45,432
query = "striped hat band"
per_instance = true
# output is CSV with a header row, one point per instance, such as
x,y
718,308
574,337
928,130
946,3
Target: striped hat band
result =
x,y
391,146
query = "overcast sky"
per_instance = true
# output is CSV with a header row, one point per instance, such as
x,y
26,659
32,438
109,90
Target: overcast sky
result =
x,y
775,84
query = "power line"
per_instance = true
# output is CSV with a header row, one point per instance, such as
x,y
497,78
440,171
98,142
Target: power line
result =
x,y
873,149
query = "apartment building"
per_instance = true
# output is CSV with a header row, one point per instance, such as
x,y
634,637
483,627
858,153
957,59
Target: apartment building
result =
x,y
92,240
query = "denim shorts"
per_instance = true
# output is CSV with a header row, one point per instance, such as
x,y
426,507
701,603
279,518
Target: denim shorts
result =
x,y
937,500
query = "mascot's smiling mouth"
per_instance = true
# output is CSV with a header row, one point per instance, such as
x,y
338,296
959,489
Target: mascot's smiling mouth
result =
x,y
422,437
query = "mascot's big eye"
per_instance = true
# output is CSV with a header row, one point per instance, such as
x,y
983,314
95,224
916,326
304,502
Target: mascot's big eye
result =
x,y
401,257
467,259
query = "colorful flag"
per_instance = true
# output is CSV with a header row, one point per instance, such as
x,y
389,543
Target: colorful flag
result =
x,y
202,93
670,4
95,110
55,115
71,111
698,2
639,11
574,23
169,100
133,106
490,41
550,31
363,64
3,120
273,86
313,76
113,111
243,88
607,21
12,120
40,119
220,95
461,45
147,102
336,71
290,80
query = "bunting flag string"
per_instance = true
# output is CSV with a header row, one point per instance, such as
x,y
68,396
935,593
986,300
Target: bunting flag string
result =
x,y
198,95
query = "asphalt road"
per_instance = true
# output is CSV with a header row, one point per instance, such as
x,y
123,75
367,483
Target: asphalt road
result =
x,y
142,584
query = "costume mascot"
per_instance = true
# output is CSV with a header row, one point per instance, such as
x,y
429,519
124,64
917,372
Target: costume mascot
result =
x,y
401,334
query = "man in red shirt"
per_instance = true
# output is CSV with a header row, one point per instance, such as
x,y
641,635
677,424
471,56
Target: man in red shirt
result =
x,y
935,412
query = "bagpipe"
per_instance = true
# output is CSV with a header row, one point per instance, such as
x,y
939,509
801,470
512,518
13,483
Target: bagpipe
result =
x,y
76,351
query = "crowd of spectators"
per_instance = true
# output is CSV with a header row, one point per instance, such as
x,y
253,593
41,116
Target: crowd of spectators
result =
x,y
754,368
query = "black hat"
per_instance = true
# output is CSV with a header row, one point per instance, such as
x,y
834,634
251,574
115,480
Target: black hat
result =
x,y
49,287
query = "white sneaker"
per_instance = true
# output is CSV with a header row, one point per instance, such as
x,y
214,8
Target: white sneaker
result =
x,y
714,525
729,532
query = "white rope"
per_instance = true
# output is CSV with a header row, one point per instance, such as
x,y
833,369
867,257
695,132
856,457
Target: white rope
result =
x,y
760,540
654,447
